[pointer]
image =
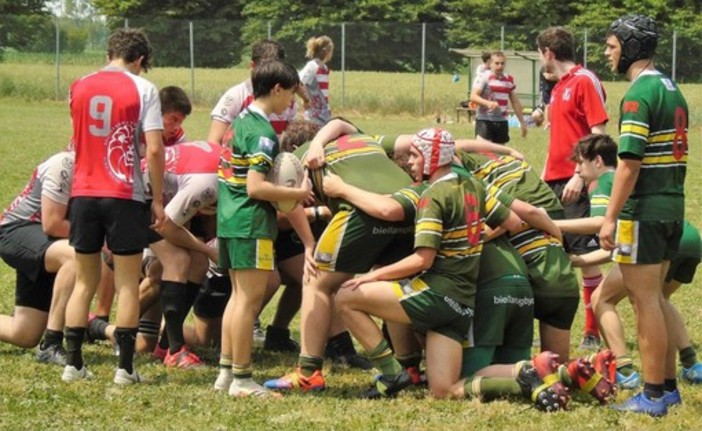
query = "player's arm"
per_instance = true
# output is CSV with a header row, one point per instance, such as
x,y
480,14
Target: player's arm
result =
x,y
478,145
298,220
536,218
596,257
584,226
421,260
156,165
53,218
181,237
518,111
477,98
258,188
333,129
217,130
624,181
375,205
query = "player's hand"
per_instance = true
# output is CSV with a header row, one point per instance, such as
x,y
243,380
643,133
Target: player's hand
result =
x,y
305,188
572,190
524,130
492,105
310,268
607,235
333,185
355,282
516,154
208,211
315,157
158,215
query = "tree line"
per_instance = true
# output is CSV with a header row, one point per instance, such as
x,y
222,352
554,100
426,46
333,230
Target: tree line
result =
x,y
381,35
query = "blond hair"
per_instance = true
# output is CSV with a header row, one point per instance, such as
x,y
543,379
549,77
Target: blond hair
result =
x,y
319,47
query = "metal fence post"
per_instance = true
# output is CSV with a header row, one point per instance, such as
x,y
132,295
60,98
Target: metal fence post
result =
x,y
675,54
126,23
192,60
270,31
502,38
58,55
343,65
424,50
585,49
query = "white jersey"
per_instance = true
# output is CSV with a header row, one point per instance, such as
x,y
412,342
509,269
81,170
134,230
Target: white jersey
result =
x,y
53,179
234,100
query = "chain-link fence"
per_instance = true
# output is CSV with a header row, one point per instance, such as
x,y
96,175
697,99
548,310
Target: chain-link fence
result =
x,y
69,47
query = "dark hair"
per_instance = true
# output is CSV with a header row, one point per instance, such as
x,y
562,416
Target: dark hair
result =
x,y
486,56
129,44
267,50
174,99
591,146
559,41
297,133
266,75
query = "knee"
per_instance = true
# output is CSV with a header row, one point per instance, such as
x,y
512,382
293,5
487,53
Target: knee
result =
x,y
440,390
28,341
342,300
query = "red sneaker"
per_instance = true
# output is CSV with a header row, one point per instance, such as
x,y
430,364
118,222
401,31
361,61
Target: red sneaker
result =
x,y
605,363
183,358
546,366
587,379
159,352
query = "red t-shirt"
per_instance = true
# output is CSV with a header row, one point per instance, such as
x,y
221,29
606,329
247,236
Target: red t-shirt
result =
x,y
199,157
110,109
577,104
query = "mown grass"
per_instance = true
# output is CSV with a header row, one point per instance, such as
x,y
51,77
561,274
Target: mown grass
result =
x,y
32,396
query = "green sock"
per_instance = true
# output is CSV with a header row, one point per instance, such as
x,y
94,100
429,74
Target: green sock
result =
x,y
625,366
688,357
244,371
563,375
491,388
384,360
309,364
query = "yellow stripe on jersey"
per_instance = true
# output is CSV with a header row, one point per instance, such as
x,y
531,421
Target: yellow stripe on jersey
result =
x,y
410,194
534,245
634,128
465,252
428,226
341,155
599,201
458,233
327,251
662,138
663,160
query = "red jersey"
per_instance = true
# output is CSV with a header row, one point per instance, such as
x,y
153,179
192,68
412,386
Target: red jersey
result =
x,y
199,157
110,109
577,104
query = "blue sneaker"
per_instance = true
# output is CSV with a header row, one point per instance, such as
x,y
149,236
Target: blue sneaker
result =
x,y
693,374
672,398
632,381
640,404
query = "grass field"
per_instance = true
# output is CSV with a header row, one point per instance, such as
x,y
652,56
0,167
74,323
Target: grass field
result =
x,y
32,396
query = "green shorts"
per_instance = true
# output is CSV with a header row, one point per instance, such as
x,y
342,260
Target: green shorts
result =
x,y
477,358
353,242
431,311
551,275
682,269
246,253
646,242
504,313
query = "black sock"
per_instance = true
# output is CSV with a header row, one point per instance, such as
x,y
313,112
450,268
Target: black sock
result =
x,y
173,302
410,361
340,345
51,338
652,392
670,385
191,291
74,341
103,318
163,341
96,329
126,340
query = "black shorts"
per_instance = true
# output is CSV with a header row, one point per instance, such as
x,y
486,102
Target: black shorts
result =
x,y
495,131
557,312
287,243
23,246
573,243
213,297
123,223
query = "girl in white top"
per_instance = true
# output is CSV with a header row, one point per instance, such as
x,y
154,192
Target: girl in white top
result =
x,y
315,77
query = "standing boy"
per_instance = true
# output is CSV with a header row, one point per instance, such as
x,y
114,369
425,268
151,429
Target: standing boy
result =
x,y
644,219
110,109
